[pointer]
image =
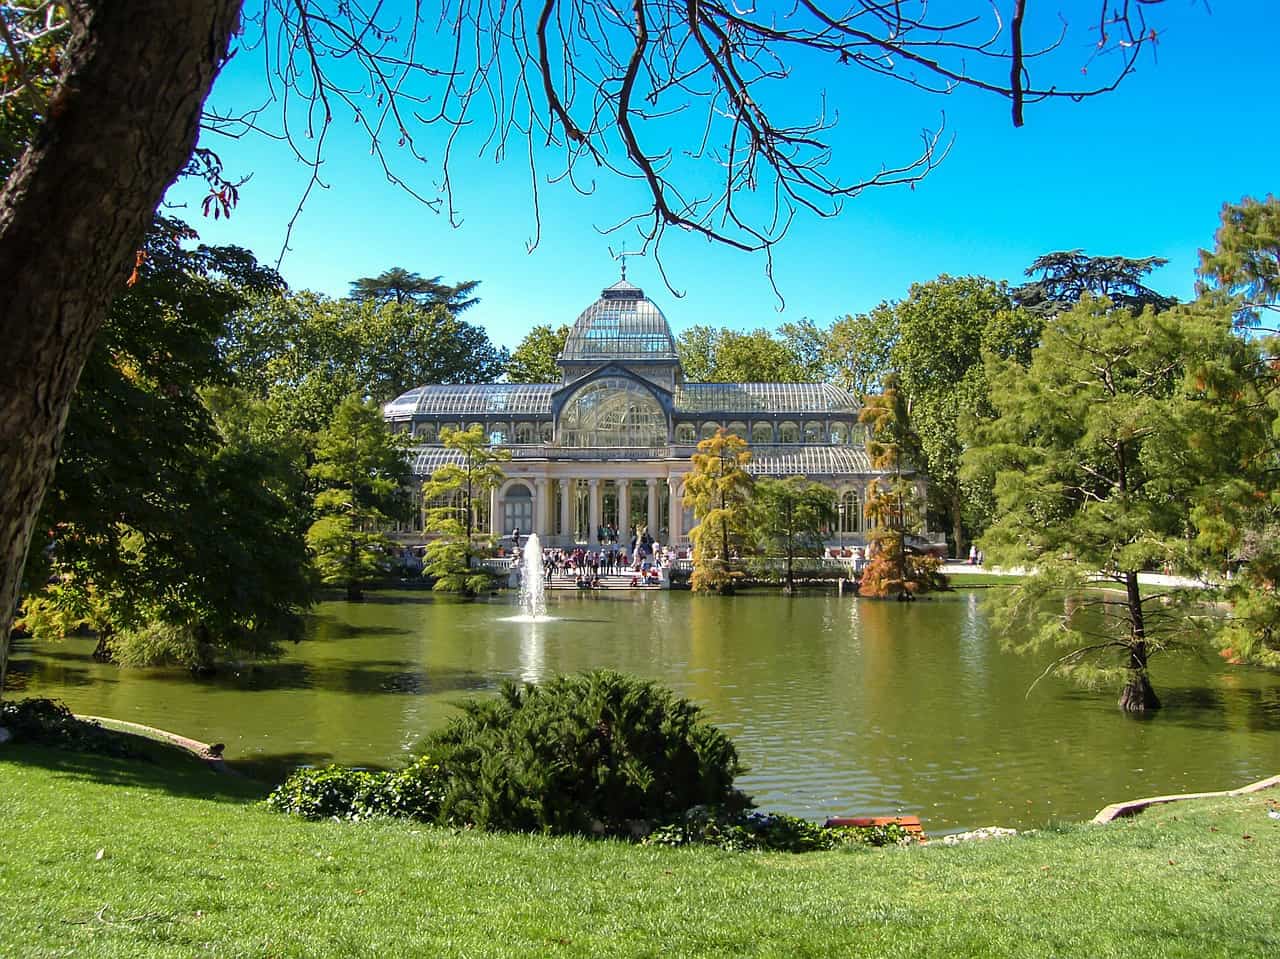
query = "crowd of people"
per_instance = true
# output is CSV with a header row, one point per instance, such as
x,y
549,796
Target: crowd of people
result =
x,y
643,558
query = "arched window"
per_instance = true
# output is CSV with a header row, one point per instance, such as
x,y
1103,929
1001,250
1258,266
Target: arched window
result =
x,y
613,412
686,434
425,432
839,434
761,433
526,434
546,431
813,432
737,428
709,430
788,432
517,509
850,512
499,434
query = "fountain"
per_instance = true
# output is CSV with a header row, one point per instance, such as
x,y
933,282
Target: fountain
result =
x,y
533,597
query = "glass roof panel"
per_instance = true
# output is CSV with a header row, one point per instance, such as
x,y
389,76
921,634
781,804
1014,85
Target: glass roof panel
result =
x,y
763,398
797,460
477,398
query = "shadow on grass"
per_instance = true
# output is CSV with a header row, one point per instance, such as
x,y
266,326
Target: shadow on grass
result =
x,y
160,768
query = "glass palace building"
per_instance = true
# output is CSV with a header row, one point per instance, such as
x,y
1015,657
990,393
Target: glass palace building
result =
x,y
610,444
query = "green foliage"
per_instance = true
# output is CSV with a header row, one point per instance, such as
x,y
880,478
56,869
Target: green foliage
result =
x,y
591,754
712,355
534,360
718,490
48,722
1245,261
159,515
398,285
743,831
860,349
337,792
1100,450
944,328
302,353
789,518
452,496
1069,276
363,467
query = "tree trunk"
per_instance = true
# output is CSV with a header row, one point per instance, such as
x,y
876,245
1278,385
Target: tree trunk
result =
x,y
957,526
1137,696
119,127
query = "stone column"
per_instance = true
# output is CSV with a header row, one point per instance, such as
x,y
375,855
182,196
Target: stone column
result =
x,y
652,512
675,510
624,510
566,509
541,494
495,521
593,509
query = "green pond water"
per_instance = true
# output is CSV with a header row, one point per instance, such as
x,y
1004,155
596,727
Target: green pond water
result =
x,y
838,705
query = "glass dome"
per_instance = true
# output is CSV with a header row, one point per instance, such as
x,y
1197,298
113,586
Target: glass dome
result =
x,y
623,325
613,412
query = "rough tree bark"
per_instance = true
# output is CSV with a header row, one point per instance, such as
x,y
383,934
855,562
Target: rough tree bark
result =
x,y
120,125
1137,696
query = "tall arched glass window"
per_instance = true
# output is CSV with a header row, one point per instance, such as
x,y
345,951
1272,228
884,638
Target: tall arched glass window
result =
x,y
737,428
517,509
425,432
546,431
709,430
686,434
813,432
839,434
613,412
499,434
525,433
761,433
850,511
788,432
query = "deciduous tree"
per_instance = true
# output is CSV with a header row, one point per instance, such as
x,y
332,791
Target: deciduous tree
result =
x,y
534,360
718,490
451,498
362,467
1095,454
788,519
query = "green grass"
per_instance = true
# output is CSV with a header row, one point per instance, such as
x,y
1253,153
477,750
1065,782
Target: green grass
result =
x,y
193,866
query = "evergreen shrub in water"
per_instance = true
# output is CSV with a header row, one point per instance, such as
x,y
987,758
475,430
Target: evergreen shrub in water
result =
x,y
596,753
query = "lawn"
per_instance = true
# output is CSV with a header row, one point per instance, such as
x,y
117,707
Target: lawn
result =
x,y
103,857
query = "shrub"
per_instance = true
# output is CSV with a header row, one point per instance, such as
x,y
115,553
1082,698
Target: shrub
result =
x,y
338,792
596,753
50,723
767,832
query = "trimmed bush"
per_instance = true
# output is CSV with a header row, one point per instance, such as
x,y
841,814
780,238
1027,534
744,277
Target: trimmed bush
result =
x,y
591,754
337,792
50,723
767,832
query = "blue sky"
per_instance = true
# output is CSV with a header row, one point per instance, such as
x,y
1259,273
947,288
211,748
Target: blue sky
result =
x,y
1141,171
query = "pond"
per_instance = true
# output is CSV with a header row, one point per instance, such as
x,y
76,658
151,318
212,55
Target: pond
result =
x,y
837,705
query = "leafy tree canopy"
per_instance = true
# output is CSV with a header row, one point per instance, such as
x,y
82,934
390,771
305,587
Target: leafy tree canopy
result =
x,y
534,360
398,285
1068,276
304,352
361,468
710,355
1099,450
1245,260
860,349
789,517
718,490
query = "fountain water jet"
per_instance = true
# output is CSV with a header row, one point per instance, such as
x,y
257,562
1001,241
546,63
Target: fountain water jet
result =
x,y
533,595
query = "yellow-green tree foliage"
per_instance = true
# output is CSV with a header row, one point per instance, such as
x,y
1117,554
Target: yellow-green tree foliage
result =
x,y
450,497
718,490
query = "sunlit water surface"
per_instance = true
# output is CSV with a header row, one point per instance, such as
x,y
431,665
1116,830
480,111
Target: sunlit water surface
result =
x,y
838,705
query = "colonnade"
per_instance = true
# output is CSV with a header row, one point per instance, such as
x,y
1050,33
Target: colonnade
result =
x,y
565,503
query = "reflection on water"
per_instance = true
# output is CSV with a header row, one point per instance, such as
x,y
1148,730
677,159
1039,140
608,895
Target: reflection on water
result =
x,y
837,704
